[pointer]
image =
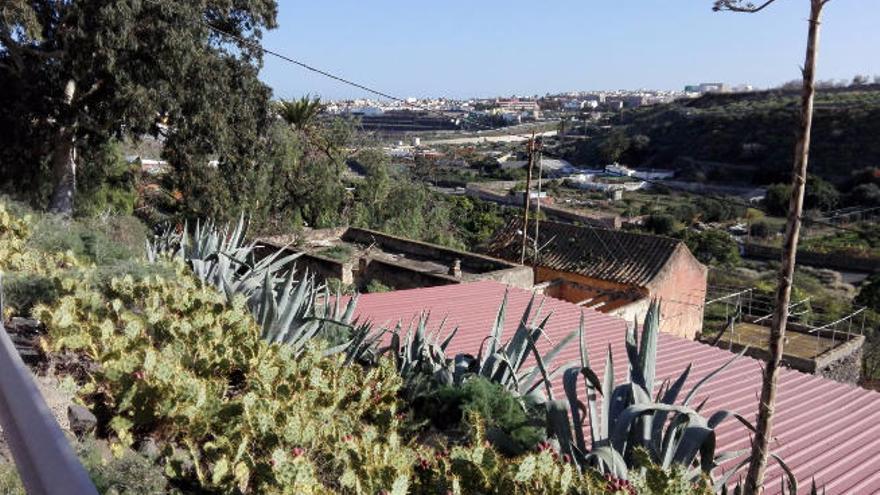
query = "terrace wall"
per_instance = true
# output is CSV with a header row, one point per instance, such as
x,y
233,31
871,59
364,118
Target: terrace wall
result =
x,y
843,363
604,221
835,261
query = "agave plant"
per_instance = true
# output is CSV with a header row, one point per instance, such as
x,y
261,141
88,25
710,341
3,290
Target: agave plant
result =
x,y
221,258
290,314
630,419
421,353
167,243
286,307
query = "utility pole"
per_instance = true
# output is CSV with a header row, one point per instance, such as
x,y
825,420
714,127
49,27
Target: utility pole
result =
x,y
538,148
527,199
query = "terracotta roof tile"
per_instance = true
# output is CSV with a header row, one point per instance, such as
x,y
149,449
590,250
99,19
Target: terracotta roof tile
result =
x,y
627,258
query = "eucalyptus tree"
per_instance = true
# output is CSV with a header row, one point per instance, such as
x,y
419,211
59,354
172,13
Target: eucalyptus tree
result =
x,y
760,445
77,72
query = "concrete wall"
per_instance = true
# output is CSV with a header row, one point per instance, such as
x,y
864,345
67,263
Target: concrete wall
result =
x,y
321,267
325,268
519,276
475,266
399,277
681,288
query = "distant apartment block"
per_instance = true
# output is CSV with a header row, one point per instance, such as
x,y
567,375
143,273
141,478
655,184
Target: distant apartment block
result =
x,y
704,88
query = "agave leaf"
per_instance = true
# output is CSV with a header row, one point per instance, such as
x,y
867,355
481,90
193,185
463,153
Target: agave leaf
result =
x,y
448,339
498,327
696,438
558,425
518,345
710,376
722,482
609,461
791,479
624,422
539,362
578,410
668,397
648,346
607,390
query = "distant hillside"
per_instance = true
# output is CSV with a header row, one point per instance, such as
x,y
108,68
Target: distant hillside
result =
x,y
747,137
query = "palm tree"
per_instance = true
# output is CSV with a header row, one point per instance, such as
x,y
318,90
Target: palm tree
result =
x,y
302,113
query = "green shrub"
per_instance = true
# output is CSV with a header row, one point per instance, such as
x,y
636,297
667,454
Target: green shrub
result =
x,y
335,286
375,287
127,474
106,182
449,406
98,240
712,246
340,253
21,292
10,482
661,224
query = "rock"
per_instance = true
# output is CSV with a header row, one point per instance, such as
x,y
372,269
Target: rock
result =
x,y
82,421
149,449
24,324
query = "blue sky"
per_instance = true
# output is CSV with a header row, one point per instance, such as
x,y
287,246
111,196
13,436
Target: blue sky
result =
x,y
460,48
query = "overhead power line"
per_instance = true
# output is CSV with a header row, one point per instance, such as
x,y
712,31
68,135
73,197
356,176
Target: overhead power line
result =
x,y
257,46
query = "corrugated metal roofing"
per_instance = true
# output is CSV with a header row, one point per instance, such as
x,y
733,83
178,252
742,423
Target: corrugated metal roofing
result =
x,y
825,430
624,257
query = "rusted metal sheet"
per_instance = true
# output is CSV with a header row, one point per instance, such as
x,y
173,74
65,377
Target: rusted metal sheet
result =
x,y
824,430
46,463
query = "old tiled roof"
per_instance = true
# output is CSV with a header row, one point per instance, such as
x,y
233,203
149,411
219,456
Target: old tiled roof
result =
x,y
823,429
623,257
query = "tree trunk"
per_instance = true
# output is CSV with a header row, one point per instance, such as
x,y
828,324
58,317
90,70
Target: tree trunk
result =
x,y
64,162
760,447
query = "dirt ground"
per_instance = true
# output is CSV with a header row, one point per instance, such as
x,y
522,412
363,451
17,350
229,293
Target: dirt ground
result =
x,y
57,400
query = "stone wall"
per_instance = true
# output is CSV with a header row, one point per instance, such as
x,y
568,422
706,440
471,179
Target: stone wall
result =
x,y
847,369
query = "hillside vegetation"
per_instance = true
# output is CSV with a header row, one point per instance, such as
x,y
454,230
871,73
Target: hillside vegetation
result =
x,y
744,137
216,373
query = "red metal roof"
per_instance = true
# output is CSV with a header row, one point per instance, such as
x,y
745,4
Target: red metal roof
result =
x,y
824,429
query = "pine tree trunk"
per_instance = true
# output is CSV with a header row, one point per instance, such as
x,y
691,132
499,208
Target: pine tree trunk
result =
x,y
64,162
761,446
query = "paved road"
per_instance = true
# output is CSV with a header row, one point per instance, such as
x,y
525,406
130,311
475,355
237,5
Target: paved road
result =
x,y
507,138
